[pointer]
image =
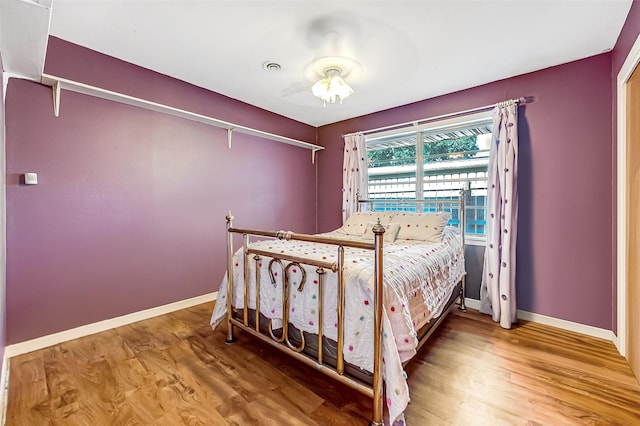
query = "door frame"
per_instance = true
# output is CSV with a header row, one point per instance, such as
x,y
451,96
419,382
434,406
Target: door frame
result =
x,y
630,63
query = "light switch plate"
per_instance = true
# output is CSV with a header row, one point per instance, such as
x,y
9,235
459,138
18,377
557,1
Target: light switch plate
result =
x,y
30,178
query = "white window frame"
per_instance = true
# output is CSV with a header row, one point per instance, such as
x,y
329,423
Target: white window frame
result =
x,y
437,126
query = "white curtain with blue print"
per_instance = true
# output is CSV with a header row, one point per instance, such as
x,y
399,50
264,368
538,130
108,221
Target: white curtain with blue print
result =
x,y
498,288
354,173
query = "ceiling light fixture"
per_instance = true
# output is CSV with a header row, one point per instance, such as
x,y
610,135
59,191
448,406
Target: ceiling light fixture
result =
x,y
332,86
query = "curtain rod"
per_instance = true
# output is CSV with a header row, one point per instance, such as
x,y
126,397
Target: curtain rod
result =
x,y
440,117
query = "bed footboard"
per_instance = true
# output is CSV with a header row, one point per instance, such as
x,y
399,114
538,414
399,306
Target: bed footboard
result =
x,y
269,301
281,337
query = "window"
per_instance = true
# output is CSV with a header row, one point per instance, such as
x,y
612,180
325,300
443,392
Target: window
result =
x,y
433,162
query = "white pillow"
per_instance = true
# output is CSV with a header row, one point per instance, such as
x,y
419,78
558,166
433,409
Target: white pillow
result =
x,y
356,224
421,226
390,231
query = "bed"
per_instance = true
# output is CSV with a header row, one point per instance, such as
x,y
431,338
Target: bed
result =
x,y
356,303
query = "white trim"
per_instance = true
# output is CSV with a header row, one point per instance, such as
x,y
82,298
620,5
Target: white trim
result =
x,y
472,303
435,126
4,389
97,327
588,330
621,262
576,327
475,240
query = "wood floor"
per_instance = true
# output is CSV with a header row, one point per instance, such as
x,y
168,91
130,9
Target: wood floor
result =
x,y
174,370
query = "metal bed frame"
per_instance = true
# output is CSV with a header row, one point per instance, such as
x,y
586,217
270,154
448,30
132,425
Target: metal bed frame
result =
x,y
242,321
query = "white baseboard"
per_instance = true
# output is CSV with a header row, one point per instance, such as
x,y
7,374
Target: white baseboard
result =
x,y
555,322
97,327
568,325
472,303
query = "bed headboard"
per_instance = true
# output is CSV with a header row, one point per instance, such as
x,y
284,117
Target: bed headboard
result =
x,y
427,205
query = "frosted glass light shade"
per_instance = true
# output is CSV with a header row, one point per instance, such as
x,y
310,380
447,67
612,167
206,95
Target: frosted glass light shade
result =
x,y
330,88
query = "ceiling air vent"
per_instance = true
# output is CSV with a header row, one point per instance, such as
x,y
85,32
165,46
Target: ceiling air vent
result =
x,y
271,66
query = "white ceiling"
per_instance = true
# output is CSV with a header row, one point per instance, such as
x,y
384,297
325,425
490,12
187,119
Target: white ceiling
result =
x,y
407,50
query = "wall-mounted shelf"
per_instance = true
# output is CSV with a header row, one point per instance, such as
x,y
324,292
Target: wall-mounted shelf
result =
x,y
58,83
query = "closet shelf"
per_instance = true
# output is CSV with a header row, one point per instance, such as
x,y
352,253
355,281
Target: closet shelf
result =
x,y
58,83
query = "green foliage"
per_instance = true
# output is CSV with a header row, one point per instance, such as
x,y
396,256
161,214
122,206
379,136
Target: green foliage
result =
x,y
432,151
392,156
466,145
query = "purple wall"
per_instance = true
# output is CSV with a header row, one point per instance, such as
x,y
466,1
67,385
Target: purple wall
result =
x,y
627,38
565,160
129,210
3,307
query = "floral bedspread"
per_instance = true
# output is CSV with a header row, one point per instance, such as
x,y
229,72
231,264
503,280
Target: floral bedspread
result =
x,y
418,280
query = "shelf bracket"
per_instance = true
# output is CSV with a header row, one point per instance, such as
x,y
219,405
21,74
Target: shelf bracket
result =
x,y
56,98
58,83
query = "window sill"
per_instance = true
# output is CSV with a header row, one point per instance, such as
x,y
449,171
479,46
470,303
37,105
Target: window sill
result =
x,y
475,240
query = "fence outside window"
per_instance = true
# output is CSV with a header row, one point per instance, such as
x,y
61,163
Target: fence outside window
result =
x,y
394,172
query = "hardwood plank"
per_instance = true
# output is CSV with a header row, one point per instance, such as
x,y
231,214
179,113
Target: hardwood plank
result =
x,y
28,405
531,373
174,370
107,345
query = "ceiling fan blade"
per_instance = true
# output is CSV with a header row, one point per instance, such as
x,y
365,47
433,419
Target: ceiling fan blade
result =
x,y
298,87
